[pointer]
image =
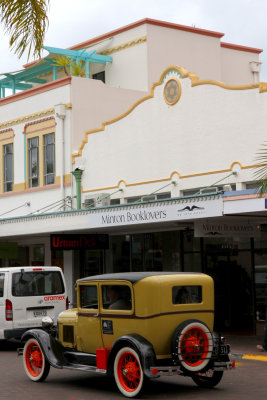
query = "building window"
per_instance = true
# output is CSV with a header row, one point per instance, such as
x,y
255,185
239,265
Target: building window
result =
x,y
8,167
33,152
49,159
100,76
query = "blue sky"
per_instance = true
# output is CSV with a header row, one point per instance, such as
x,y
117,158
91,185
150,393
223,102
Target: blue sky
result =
x,y
242,21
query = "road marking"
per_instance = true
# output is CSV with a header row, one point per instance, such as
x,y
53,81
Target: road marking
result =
x,y
254,357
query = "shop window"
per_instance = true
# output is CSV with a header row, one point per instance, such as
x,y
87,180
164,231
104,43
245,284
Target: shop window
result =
x,y
38,255
8,167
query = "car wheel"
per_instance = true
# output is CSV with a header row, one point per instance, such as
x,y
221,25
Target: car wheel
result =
x,y
35,364
208,379
128,372
193,343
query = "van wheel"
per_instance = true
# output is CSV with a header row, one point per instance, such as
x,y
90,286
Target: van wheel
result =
x,y
208,379
193,343
128,372
35,364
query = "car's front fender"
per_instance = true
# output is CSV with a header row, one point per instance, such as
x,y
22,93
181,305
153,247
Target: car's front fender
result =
x,y
51,348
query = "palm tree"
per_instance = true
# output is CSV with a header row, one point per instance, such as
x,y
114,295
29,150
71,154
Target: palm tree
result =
x,y
260,173
26,22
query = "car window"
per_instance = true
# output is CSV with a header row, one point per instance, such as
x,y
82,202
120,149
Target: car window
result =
x,y
186,294
116,297
88,296
2,281
37,283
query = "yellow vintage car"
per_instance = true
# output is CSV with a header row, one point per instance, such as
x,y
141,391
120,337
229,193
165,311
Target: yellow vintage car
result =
x,y
134,326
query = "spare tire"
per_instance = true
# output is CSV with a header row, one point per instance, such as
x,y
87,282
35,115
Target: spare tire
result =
x,y
193,343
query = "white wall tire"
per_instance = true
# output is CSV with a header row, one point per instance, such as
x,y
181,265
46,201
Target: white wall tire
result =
x,y
194,345
35,364
128,372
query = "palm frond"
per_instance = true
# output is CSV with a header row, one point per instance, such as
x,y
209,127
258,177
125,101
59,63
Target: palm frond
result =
x,y
260,173
26,22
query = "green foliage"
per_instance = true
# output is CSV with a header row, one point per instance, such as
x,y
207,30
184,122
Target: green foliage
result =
x,y
63,62
25,21
70,65
260,173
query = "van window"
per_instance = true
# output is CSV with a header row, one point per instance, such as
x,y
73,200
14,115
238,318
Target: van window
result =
x,y
37,283
2,281
186,294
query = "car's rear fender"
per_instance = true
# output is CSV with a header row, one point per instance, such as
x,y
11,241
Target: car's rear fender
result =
x,y
51,348
143,347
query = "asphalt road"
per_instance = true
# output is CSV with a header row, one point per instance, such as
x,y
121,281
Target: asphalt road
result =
x,y
247,381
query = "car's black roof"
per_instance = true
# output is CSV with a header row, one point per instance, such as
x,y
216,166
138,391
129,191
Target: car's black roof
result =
x,y
132,277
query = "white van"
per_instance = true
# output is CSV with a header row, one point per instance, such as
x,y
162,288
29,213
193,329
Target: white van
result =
x,y
27,294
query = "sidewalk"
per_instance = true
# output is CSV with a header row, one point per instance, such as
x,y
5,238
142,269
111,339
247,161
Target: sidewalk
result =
x,y
245,346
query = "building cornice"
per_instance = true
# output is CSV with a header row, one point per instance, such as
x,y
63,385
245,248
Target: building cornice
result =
x,y
26,118
36,90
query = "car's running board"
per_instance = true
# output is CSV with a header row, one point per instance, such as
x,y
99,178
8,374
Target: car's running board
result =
x,y
86,368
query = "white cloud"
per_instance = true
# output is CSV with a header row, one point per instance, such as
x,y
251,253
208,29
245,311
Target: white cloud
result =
x,y
74,21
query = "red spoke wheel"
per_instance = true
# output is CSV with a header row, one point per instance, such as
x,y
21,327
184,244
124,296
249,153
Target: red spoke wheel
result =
x,y
35,364
128,372
208,379
194,345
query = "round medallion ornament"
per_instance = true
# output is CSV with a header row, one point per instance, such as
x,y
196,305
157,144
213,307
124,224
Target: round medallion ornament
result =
x,y
172,91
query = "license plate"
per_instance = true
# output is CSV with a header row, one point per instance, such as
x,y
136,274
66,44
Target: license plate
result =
x,y
40,313
224,349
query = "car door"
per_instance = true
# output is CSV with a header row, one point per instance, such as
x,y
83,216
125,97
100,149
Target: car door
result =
x,y
89,337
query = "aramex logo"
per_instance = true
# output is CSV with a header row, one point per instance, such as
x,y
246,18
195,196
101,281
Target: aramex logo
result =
x,y
51,298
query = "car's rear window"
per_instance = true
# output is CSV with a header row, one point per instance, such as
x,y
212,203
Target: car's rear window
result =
x,y
37,283
186,294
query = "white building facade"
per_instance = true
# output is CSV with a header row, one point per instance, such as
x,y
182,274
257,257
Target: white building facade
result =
x,y
145,167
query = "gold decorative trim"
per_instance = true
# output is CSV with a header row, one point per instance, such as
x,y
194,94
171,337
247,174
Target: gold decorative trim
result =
x,y
263,87
27,118
183,73
124,46
19,187
172,93
67,179
226,170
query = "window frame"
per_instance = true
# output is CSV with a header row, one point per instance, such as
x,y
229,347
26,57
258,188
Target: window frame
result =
x,y
41,158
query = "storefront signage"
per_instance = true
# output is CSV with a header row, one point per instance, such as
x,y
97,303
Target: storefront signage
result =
x,y
79,242
226,229
150,214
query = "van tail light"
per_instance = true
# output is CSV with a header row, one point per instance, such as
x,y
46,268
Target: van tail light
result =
x,y
67,303
9,311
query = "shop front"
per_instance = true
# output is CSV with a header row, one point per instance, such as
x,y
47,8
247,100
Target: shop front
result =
x,y
190,235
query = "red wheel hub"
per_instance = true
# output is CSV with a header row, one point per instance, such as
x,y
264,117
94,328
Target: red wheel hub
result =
x,y
34,359
129,372
194,346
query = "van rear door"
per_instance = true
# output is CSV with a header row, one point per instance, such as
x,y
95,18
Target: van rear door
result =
x,y
4,324
36,293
